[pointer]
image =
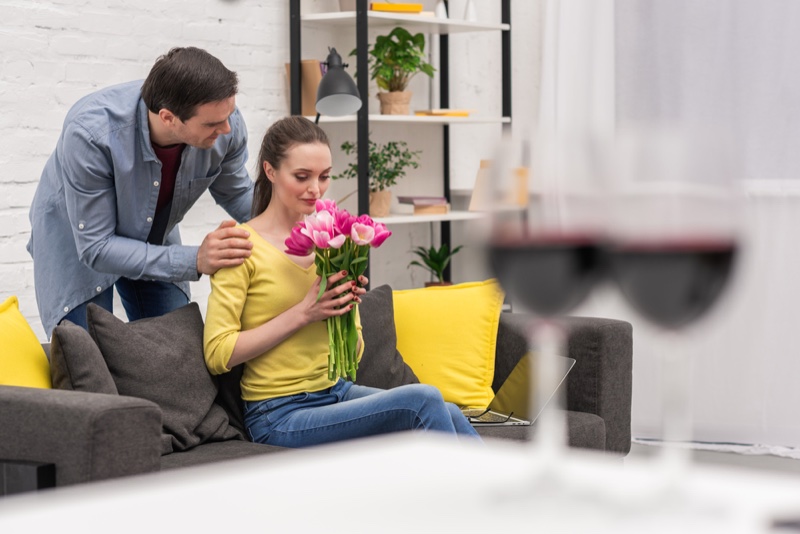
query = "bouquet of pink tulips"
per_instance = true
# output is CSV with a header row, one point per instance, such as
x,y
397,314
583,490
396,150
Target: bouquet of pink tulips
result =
x,y
341,242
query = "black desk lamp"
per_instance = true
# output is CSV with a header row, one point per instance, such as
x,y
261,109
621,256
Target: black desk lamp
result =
x,y
337,93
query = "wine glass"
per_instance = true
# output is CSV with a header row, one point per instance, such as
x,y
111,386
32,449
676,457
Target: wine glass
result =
x,y
545,249
673,243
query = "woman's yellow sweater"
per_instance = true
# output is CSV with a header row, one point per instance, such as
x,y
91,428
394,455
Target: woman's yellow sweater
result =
x,y
268,283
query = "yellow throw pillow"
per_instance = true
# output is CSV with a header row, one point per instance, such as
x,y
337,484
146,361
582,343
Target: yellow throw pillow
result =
x,y
22,358
448,336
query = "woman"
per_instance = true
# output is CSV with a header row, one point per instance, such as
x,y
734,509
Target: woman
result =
x,y
265,314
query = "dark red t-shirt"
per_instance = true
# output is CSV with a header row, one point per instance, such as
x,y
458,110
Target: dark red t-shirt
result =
x,y
170,157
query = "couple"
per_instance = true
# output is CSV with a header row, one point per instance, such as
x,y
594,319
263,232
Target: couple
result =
x,y
131,161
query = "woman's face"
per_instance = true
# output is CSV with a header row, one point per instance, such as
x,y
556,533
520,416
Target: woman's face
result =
x,y
303,177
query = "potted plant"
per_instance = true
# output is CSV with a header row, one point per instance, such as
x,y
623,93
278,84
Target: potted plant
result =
x,y
394,60
387,163
435,260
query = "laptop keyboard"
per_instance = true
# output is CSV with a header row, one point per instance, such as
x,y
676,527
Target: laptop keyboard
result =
x,y
484,416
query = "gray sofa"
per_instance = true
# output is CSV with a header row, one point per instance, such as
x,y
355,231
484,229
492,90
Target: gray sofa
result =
x,y
92,436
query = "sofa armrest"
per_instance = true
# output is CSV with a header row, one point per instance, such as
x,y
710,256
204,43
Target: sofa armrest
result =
x,y
601,381
87,436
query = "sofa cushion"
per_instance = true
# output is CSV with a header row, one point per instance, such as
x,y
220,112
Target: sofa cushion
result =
x,y
382,365
448,336
161,359
22,359
76,362
584,430
216,452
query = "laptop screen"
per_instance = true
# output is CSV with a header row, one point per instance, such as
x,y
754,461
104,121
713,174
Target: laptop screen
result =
x,y
514,395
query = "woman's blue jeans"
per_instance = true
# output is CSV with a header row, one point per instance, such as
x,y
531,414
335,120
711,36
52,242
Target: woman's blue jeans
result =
x,y
140,298
348,411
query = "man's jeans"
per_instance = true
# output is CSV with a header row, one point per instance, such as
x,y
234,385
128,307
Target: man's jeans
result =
x,y
140,298
347,411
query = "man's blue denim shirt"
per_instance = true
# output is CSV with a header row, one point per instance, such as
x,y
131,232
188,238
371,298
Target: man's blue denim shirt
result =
x,y
96,201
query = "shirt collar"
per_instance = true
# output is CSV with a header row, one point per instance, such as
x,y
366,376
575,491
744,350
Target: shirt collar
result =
x,y
144,128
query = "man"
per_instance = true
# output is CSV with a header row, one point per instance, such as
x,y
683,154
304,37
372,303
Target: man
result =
x,y
130,162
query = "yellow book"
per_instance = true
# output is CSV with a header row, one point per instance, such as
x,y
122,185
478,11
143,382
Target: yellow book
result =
x,y
396,8
443,112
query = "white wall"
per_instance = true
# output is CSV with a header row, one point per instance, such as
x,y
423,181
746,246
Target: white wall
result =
x,y
55,51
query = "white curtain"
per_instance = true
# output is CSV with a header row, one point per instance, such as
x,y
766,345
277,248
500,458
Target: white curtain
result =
x,y
577,81
728,63
731,64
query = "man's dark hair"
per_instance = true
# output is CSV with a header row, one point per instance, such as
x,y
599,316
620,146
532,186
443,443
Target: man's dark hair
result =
x,y
185,78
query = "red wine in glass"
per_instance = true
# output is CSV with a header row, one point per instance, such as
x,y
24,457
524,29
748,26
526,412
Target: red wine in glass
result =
x,y
673,283
549,274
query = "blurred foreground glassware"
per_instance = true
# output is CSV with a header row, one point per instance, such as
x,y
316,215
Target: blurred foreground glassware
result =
x,y
546,251
674,240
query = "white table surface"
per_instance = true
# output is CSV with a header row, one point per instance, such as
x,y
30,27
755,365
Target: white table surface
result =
x,y
411,483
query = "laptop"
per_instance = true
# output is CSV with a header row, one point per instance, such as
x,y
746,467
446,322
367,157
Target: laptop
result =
x,y
511,405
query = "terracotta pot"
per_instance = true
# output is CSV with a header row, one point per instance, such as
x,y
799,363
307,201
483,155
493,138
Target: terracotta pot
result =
x,y
431,284
379,203
395,103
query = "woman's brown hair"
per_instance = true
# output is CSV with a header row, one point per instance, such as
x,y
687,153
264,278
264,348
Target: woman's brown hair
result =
x,y
279,138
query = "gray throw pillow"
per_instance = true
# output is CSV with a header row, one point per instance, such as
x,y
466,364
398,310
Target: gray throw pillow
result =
x,y
161,359
381,365
76,362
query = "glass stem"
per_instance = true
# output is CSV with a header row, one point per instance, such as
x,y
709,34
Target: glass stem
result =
x,y
549,341
676,424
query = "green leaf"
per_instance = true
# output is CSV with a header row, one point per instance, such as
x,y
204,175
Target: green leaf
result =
x,y
397,57
435,259
387,163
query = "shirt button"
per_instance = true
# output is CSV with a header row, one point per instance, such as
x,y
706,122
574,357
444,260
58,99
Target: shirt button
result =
x,y
99,289
81,226
149,219
155,183
66,309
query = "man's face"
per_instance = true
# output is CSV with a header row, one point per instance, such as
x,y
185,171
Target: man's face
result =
x,y
210,121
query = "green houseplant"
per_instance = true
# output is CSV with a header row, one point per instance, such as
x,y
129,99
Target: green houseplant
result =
x,y
388,162
435,259
394,60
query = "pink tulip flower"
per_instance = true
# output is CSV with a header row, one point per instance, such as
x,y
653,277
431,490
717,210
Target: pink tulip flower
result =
x,y
381,234
326,204
320,224
344,221
298,244
362,234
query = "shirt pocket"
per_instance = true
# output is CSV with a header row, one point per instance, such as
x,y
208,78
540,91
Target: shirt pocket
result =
x,y
200,184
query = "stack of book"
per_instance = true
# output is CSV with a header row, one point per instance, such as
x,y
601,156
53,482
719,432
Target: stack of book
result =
x,y
426,205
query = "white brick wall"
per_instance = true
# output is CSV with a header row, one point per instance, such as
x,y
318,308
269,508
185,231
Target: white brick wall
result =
x,y
52,52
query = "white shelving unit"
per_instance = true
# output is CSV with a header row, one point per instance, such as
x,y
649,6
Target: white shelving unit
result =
x,y
411,219
418,119
363,21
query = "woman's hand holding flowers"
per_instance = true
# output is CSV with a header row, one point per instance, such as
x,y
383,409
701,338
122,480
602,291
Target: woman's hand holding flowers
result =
x,y
337,299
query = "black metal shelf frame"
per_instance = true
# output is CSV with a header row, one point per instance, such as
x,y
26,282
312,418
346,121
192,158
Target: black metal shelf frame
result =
x,y
362,122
